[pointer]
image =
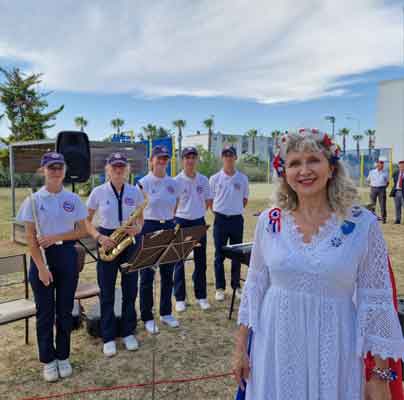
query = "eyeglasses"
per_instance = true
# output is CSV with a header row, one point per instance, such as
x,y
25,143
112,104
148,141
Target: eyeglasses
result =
x,y
56,167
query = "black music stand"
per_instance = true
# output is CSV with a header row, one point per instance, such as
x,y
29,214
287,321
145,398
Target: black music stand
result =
x,y
163,247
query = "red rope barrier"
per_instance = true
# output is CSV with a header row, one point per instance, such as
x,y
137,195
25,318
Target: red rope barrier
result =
x,y
131,386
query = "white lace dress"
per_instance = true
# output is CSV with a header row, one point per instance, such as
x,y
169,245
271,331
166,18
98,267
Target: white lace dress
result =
x,y
316,309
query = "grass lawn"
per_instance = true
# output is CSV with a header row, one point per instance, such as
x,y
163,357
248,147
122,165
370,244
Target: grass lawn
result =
x,y
202,345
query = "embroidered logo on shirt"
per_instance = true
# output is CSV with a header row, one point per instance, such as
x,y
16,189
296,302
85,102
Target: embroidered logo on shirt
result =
x,y
42,208
129,201
347,227
237,186
356,211
170,189
336,241
199,189
68,207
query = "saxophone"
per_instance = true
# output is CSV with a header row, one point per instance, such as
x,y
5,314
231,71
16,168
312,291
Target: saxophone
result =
x,y
119,236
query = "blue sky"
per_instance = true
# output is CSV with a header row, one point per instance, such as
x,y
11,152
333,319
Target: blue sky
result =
x,y
266,65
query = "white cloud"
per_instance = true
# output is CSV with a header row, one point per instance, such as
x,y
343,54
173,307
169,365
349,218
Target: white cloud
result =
x,y
265,50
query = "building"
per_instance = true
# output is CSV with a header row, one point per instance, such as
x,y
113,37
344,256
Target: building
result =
x,y
243,144
390,117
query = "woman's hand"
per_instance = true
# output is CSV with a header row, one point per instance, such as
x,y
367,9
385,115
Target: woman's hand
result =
x,y
133,230
46,241
106,242
45,276
376,389
241,367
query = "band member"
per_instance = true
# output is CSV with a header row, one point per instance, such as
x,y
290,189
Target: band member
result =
x,y
114,201
163,192
54,219
229,188
195,198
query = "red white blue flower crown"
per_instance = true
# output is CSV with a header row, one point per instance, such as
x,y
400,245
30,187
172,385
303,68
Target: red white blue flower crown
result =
x,y
322,137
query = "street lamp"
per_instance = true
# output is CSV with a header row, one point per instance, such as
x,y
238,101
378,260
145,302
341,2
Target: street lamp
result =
x,y
331,118
349,117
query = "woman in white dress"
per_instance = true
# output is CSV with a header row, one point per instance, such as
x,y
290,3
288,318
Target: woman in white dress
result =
x,y
317,297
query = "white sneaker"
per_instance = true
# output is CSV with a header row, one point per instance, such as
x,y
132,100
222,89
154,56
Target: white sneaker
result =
x,y
219,295
50,371
110,348
130,342
151,327
239,293
65,368
170,321
180,306
203,303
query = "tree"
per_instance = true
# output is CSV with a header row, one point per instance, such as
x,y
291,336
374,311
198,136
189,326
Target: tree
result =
x,y
163,132
209,124
231,139
179,124
81,123
25,106
252,133
357,138
275,137
371,134
344,132
152,132
117,124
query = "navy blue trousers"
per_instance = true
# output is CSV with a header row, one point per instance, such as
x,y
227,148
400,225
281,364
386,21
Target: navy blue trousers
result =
x,y
147,278
199,274
107,272
55,302
227,228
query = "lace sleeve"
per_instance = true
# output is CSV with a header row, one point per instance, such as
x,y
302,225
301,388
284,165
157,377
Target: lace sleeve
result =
x,y
257,281
379,330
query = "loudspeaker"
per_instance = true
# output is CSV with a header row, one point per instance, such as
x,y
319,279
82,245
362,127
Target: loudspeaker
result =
x,y
75,147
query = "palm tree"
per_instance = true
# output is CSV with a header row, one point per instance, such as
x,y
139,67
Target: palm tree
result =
x,y
275,137
231,139
209,123
371,134
150,131
117,124
357,138
252,133
344,132
81,122
179,124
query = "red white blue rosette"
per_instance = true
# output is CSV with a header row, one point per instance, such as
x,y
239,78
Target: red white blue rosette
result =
x,y
274,216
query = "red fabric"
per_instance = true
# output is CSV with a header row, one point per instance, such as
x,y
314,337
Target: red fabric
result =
x,y
396,387
400,181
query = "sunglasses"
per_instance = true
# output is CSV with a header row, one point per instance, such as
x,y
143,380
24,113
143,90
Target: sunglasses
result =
x,y
56,167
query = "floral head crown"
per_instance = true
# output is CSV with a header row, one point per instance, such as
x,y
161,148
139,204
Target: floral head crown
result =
x,y
322,137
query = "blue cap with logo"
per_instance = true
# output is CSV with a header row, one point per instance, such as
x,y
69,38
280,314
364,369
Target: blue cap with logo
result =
x,y
160,151
51,158
229,150
188,151
117,159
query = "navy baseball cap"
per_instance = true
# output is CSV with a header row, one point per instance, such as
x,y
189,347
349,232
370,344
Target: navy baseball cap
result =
x,y
229,151
117,159
188,151
160,151
52,158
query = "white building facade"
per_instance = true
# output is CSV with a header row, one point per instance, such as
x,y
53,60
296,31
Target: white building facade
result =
x,y
244,144
390,117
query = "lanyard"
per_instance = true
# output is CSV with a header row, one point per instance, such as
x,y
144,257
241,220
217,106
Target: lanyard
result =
x,y
119,198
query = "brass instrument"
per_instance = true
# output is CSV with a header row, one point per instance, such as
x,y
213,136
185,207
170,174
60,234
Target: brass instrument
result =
x,y
120,237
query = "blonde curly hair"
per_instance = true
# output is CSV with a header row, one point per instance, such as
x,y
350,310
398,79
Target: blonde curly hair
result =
x,y
342,192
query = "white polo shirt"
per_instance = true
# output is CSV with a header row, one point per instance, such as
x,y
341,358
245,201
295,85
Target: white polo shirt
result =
x,y
378,178
228,192
57,212
163,195
194,193
104,201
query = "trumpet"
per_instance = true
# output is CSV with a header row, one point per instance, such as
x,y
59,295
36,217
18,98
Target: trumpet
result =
x,y
120,237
